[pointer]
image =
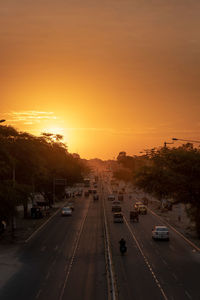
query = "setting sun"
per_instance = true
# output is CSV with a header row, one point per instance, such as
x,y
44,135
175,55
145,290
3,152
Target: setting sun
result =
x,y
99,149
111,86
54,130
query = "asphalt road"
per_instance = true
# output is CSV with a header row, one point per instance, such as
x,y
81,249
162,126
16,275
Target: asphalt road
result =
x,y
66,259
152,269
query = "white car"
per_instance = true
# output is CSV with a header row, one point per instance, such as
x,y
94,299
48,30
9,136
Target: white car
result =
x,y
66,211
160,233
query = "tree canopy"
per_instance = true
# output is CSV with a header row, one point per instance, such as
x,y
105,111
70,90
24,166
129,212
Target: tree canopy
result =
x,y
31,163
168,173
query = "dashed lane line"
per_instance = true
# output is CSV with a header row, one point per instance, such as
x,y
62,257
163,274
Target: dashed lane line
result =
x,y
110,268
175,277
48,274
68,267
38,294
171,247
43,248
146,261
188,295
164,262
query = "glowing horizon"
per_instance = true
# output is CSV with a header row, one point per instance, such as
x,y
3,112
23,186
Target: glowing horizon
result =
x,y
110,76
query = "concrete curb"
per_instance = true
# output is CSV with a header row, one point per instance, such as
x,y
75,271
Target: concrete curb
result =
x,y
175,230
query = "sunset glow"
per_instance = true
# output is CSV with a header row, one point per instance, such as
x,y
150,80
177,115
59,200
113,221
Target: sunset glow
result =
x,y
110,77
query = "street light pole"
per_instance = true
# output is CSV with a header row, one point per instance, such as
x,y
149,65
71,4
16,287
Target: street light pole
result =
x,y
166,143
175,139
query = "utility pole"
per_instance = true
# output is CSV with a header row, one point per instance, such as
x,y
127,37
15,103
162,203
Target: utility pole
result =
x,y
166,143
183,140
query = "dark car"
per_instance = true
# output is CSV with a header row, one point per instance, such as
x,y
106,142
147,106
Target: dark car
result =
x,y
96,197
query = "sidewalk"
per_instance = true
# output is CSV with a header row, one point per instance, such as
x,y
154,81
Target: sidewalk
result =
x,y
183,224
178,218
25,227
9,262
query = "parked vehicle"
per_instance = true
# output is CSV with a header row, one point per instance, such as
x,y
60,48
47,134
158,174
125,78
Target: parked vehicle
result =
x,y
66,211
36,212
79,193
160,233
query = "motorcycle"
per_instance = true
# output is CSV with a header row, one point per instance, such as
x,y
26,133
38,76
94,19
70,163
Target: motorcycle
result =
x,y
123,249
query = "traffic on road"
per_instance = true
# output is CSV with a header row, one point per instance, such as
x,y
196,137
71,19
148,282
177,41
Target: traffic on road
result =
x,y
104,244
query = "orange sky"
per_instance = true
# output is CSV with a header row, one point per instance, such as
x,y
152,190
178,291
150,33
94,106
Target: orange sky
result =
x,y
110,75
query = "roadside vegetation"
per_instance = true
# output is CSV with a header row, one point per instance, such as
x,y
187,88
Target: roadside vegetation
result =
x,y
29,164
172,173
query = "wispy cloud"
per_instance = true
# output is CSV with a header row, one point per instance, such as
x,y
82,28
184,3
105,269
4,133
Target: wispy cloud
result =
x,y
29,117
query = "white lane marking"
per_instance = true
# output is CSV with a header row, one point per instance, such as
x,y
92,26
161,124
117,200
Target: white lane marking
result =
x,y
69,267
180,234
47,276
174,275
189,296
171,247
38,294
164,262
146,261
53,263
39,228
111,277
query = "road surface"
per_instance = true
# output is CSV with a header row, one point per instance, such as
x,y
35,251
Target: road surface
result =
x,y
66,259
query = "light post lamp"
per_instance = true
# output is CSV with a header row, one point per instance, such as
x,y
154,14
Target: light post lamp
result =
x,y
175,139
166,143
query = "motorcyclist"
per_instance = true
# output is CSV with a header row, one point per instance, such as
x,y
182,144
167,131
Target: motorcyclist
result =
x,y
122,246
122,242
